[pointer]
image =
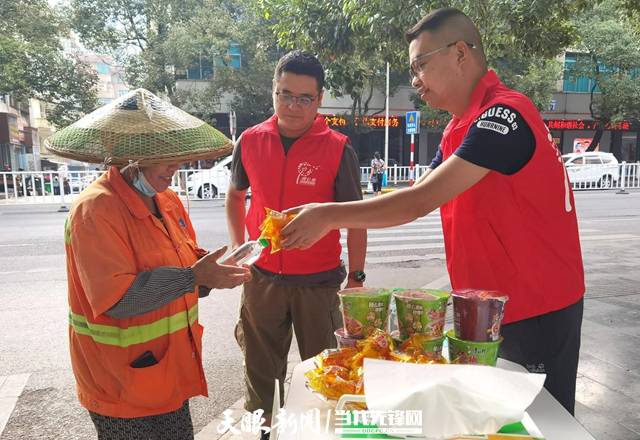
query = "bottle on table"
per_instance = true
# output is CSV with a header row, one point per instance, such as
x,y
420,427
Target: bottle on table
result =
x,y
247,254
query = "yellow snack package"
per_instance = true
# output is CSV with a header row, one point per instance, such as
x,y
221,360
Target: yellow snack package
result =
x,y
271,227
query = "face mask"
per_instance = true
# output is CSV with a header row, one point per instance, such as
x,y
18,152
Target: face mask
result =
x,y
141,183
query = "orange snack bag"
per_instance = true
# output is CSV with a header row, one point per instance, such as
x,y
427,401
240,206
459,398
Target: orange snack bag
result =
x,y
271,227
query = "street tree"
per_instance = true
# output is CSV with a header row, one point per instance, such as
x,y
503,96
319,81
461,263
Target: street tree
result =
x,y
136,32
608,55
155,39
33,64
355,38
244,84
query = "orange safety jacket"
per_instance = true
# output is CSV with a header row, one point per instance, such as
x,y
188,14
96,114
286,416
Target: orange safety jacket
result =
x,y
110,237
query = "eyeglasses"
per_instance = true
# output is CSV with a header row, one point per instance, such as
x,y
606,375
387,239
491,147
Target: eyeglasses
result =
x,y
418,65
302,101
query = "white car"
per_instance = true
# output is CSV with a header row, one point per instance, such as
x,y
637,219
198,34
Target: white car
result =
x,y
592,169
208,184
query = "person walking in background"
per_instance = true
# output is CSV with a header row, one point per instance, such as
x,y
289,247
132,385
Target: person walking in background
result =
x,y
377,173
290,159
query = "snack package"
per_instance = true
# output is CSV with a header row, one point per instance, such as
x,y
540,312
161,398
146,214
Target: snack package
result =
x,y
340,371
271,227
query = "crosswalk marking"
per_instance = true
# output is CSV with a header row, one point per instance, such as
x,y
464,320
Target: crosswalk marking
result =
x,y
375,239
406,247
10,390
403,231
423,240
610,237
403,258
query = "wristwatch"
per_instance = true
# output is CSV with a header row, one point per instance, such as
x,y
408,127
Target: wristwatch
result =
x,y
358,276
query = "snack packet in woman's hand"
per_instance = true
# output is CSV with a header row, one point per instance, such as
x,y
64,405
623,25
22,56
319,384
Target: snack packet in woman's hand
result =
x,y
272,225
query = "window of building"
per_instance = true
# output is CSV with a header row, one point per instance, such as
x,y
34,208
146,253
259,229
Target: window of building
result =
x,y
201,69
102,68
233,57
581,84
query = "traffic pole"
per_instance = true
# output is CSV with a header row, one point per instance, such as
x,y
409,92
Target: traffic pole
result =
x,y
411,171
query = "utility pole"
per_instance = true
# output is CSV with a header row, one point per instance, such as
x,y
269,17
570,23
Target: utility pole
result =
x,y
232,125
386,122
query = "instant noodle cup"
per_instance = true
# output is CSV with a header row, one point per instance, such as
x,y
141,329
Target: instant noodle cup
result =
x,y
470,352
421,311
344,340
477,314
364,310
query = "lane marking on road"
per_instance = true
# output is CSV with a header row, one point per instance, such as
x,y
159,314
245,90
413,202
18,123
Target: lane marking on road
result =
x,y
41,270
402,231
399,239
610,237
611,219
18,245
439,283
10,390
403,258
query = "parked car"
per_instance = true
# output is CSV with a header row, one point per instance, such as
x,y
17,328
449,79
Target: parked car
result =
x,y
208,183
77,178
592,169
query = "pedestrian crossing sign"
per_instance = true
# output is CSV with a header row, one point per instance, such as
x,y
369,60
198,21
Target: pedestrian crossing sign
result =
x,y
413,122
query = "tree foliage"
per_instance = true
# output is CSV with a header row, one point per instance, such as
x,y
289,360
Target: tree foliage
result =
x,y
136,32
609,54
154,38
33,65
248,88
355,38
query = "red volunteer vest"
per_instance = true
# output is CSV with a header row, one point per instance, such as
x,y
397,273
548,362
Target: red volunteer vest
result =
x,y
517,234
306,174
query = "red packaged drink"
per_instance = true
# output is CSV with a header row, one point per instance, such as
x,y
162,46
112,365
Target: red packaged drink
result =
x,y
477,314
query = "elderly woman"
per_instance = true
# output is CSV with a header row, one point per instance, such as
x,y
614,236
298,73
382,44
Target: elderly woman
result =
x,y
134,269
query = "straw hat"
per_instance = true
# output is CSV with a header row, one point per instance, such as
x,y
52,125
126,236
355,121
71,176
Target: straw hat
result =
x,y
140,127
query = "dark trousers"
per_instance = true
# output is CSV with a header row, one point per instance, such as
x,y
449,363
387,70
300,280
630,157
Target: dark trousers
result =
x,y
175,425
264,332
549,344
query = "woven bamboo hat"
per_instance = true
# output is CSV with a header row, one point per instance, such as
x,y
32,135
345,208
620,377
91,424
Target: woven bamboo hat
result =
x,y
139,127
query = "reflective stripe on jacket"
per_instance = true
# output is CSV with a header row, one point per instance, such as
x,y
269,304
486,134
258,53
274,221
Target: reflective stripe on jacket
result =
x,y
110,237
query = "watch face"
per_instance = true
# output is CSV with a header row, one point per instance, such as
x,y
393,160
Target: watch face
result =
x,y
359,276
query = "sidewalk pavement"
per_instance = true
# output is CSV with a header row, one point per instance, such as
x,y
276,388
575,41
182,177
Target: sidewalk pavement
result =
x,y
608,383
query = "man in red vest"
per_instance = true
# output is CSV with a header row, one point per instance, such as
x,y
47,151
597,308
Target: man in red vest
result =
x,y
508,214
291,159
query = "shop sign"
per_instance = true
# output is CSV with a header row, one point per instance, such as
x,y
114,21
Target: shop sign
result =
x,y
370,121
579,124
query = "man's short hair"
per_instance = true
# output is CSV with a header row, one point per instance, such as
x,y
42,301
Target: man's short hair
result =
x,y
300,63
433,22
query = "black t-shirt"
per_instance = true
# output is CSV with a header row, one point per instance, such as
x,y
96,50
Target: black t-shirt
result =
x,y
499,140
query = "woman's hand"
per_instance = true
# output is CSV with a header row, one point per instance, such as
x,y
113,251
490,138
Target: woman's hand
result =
x,y
312,222
207,272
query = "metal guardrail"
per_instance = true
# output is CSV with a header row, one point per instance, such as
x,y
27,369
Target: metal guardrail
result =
x,y
44,186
